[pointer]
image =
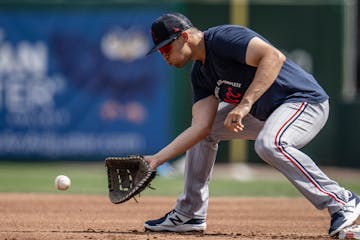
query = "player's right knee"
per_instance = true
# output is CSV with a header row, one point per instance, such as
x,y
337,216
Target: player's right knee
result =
x,y
210,142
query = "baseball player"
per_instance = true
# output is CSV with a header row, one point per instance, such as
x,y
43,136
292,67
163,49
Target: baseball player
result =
x,y
243,87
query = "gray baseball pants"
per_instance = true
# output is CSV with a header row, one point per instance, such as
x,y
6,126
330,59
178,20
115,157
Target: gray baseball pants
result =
x,y
277,141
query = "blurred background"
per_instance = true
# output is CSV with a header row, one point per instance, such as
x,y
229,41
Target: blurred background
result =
x,y
76,86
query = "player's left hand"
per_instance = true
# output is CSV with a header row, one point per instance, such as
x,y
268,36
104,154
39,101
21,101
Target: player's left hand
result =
x,y
151,160
233,121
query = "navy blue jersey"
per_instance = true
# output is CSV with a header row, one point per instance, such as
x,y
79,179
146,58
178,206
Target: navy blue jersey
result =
x,y
226,75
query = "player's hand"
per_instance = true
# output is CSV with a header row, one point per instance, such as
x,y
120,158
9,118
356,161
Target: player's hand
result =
x,y
151,160
233,121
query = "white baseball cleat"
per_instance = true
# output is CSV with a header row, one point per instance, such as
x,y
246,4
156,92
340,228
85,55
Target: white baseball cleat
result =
x,y
175,222
352,232
346,216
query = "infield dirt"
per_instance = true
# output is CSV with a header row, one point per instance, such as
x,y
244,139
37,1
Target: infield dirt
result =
x,y
64,216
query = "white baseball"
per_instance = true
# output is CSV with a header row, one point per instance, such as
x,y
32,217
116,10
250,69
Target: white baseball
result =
x,y
62,182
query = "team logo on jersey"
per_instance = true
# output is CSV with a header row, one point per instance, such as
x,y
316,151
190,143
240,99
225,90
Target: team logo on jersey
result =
x,y
228,91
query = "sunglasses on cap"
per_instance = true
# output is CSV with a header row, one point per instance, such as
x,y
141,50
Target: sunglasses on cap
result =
x,y
167,48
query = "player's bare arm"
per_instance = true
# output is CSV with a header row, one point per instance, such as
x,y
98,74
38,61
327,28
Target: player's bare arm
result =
x,y
203,112
268,61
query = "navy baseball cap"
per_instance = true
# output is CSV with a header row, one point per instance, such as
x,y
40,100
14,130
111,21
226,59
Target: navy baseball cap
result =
x,y
167,28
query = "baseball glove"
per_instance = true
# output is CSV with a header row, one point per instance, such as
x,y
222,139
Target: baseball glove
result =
x,y
127,177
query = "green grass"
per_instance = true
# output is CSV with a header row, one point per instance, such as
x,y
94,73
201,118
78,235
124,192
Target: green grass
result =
x,y
90,178
39,177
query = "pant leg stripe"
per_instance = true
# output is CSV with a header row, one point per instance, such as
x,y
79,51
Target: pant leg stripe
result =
x,y
293,160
